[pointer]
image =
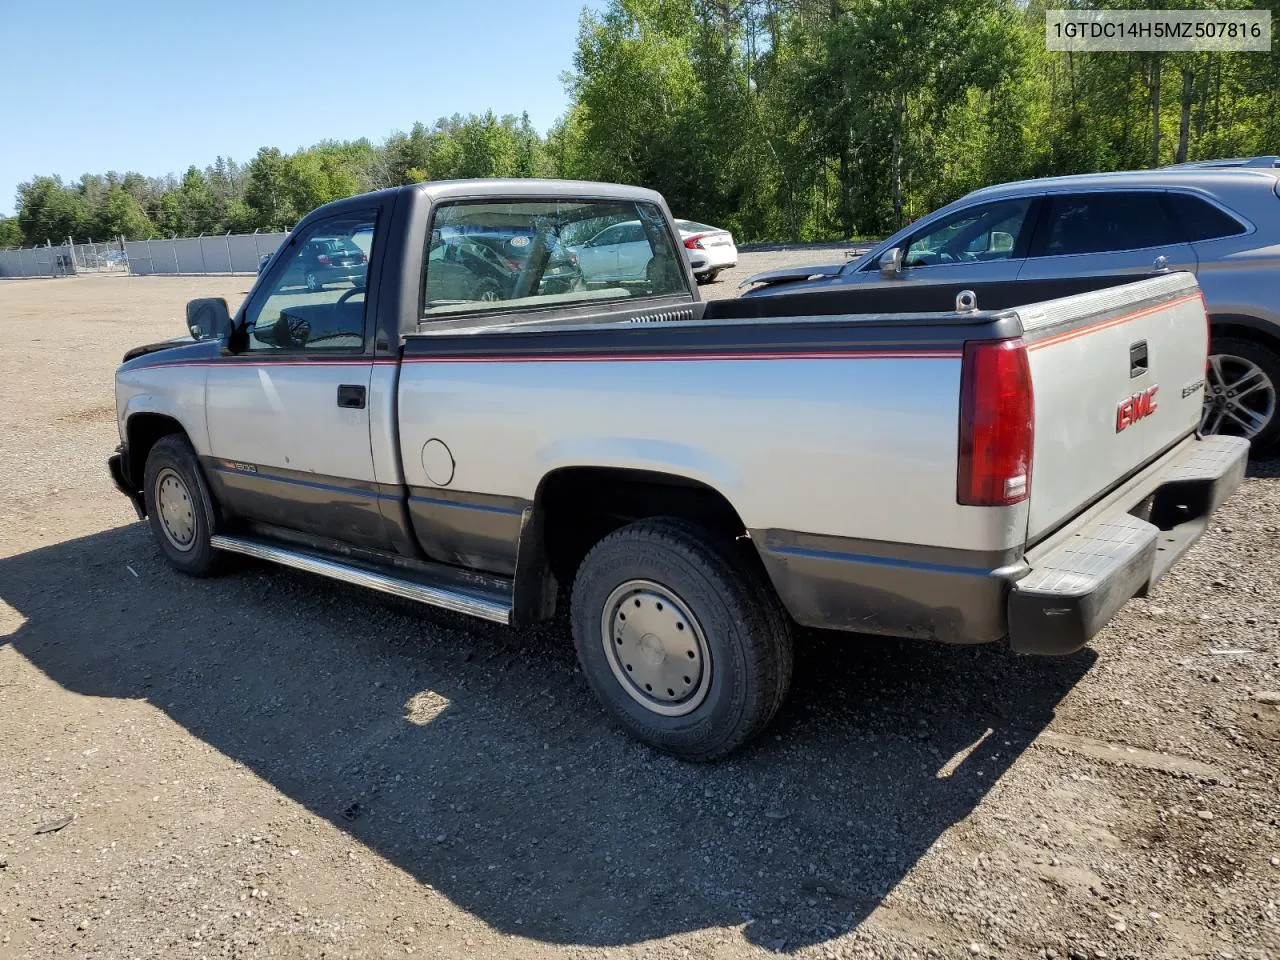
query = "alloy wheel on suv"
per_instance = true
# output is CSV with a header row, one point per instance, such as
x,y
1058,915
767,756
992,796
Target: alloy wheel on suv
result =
x,y
1240,391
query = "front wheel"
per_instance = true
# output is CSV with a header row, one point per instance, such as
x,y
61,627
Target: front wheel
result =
x,y
681,639
179,507
1240,391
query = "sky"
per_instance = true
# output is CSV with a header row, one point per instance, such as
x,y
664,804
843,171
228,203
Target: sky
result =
x,y
156,87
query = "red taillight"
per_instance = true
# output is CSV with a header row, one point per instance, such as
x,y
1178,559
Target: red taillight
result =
x,y
323,259
364,258
694,242
996,425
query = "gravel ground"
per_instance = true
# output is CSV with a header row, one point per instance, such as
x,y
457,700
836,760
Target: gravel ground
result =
x,y
271,765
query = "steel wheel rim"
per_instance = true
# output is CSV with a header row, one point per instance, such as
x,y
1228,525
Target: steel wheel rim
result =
x,y
175,509
1239,397
656,648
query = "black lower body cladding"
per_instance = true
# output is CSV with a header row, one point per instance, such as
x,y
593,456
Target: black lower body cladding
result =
x,y
891,589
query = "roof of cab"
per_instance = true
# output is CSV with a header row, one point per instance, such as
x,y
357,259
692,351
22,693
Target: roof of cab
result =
x,y
482,187
553,189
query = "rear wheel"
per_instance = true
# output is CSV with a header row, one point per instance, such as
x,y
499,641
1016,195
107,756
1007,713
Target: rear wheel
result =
x,y
682,640
313,281
1240,391
179,507
710,276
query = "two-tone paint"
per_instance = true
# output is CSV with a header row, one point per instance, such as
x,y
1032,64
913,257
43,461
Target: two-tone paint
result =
x,y
827,422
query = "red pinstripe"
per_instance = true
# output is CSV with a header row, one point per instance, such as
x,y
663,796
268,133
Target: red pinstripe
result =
x,y
582,358
689,357
1113,322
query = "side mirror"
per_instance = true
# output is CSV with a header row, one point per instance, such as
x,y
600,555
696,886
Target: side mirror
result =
x,y
208,318
891,263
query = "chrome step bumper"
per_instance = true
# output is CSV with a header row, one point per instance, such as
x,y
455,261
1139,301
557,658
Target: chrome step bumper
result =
x,y
1077,585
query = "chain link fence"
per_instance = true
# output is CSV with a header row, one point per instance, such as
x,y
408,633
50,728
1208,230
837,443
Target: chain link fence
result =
x,y
224,254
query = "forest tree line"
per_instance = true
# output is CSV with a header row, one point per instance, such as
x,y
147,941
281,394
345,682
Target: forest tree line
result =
x,y
778,119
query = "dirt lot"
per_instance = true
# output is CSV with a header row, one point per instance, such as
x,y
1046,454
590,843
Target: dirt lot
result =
x,y
270,765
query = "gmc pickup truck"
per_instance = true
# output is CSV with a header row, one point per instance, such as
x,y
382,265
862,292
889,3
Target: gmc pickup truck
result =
x,y
484,423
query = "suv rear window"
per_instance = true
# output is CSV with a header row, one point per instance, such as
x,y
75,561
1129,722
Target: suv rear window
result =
x,y
1102,222
1198,219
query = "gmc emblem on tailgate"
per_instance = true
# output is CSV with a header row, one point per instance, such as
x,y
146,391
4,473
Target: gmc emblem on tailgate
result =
x,y
1135,408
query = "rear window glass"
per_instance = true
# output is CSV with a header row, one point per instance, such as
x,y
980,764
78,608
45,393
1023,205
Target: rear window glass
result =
x,y
696,227
533,253
1198,219
1104,221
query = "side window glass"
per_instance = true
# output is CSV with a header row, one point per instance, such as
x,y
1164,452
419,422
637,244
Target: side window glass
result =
x,y
316,297
605,237
1104,222
988,232
1198,219
530,253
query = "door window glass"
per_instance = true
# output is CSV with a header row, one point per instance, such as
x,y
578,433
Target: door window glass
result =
x,y
976,234
316,294
529,253
1104,222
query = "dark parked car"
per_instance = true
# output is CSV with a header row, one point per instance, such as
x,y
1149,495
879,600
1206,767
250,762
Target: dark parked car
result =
x,y
324,260
487,266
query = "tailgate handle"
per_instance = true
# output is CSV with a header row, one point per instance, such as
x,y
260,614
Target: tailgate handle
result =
x,y
1138,364
351,396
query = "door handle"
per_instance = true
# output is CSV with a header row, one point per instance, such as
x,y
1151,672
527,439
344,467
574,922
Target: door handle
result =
x,y
1161,262
351,395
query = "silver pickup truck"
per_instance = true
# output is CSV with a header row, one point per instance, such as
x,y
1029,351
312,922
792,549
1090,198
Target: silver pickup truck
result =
x,y
480,417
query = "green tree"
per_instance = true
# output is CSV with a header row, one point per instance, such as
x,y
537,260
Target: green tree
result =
x,y
50,211
10,233
122,215
268,192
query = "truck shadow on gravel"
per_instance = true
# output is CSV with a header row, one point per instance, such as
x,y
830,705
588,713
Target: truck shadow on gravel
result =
x,y
475,759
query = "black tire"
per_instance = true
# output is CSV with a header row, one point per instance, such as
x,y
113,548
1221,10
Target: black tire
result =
x,y
747,634
711,276
1269,362
313,282
170,458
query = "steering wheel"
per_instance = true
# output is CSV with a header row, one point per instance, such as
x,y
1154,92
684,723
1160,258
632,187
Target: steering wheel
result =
x,y
348,294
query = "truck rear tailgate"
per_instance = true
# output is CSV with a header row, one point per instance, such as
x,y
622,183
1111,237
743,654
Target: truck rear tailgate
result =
x,y
1118,378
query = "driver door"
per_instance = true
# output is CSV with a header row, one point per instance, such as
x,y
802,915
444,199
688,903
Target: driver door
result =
x,y
979,244
288,415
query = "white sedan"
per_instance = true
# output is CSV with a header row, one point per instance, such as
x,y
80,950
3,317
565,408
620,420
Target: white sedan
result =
x,y
709,249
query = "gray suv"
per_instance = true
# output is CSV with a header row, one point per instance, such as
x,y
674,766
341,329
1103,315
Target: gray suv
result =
x,y
1221,223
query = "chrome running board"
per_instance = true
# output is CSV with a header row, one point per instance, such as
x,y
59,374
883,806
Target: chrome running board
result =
x,y
447,598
